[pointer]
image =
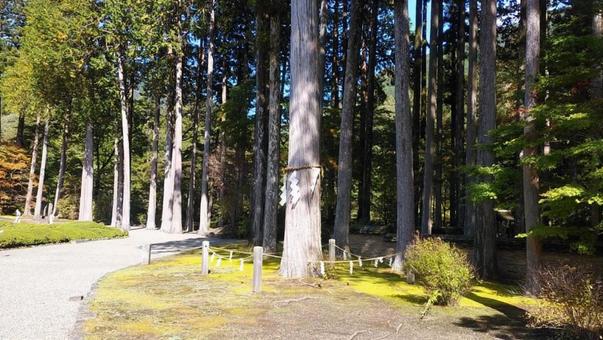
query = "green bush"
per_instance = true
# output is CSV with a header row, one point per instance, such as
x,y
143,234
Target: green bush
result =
x,y
29,234
441,268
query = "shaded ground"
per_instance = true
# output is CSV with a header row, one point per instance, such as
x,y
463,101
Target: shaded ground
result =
x,y
169,299
41,287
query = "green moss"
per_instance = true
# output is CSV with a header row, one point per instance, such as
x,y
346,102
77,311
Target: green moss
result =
x,y
29,234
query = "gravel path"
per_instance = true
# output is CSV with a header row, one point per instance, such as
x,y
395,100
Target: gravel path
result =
x,y
40,287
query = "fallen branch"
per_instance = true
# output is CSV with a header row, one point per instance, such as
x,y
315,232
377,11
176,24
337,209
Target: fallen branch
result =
x,y
356,333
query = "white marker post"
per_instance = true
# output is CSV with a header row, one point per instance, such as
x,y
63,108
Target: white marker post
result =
x,y
258,255
205,258
146,254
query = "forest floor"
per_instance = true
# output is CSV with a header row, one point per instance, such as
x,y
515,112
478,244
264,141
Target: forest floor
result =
x,y
41,288
169,299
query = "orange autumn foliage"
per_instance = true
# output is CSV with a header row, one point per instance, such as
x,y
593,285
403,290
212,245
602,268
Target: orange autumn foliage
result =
x,y
14,171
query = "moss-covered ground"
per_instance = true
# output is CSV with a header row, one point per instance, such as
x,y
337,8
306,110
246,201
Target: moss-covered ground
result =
x,y
30,233
170,299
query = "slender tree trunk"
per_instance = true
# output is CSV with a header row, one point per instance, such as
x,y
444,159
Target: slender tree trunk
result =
x,y
152,208
125,218
87,183
364,196
115,211
168,181
469,225
344,167
21,130
40,193
439,127
485,233
531,178
597,93
405,201
176,226
458,207
259,160
335,57
190,206
204,207
222,151
61,176
302,247
32,168
426,219
274,123
417,90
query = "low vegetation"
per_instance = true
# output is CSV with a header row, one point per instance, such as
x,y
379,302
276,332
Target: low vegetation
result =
x,y
442,269
30,234
573,301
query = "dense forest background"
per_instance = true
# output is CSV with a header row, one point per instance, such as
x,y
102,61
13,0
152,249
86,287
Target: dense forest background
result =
x,y
203,75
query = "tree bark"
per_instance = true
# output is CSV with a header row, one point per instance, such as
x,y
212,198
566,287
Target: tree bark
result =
x,y
457,206
469,225
364,195
259,160
597,93
40,193
32,168
531,177
417,91
485,234
439,127
274,123
405,201
204,206
302,247
125,216
152,208
335,57
21,130
176,226
116,209
323,16
426,218
344,166
87,183
168,181
61,176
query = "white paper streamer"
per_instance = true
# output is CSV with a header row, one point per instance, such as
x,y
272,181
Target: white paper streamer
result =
x,y
351,267
241,265
219,263
376,262
211,258
294,191
230,257
390,261
283,200
360,261
315,177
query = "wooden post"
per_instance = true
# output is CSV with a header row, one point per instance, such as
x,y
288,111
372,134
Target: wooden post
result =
x,y
258,253
146,254
331,249
205,258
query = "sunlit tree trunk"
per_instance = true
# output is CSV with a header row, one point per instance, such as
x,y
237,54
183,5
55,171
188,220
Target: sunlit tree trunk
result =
x,y
204,207
176,226
469,225
168,181
531,177
87,184
32,168
61,176
125,218
40,193
274,123
417,88
426,218
438,136
364,195
485,233
115,210
344,165
152,208
457,207
405,201
302,247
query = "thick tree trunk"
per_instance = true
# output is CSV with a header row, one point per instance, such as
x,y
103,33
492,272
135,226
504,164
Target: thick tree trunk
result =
x,y
259,159
531,177
61,176
40,193
469,225
32,168
426,218
364,195
405,201
152,208
204,206
176,226
168,181
457,207
274,123
302,247
87,184
125,217
344,166
439,128
485,233
417,92
323,16
335,57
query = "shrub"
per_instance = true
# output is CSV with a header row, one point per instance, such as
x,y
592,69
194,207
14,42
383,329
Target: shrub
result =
x,y
573,301
441,268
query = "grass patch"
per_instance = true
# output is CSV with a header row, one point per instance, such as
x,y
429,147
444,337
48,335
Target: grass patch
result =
x,y
170,299
30,234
